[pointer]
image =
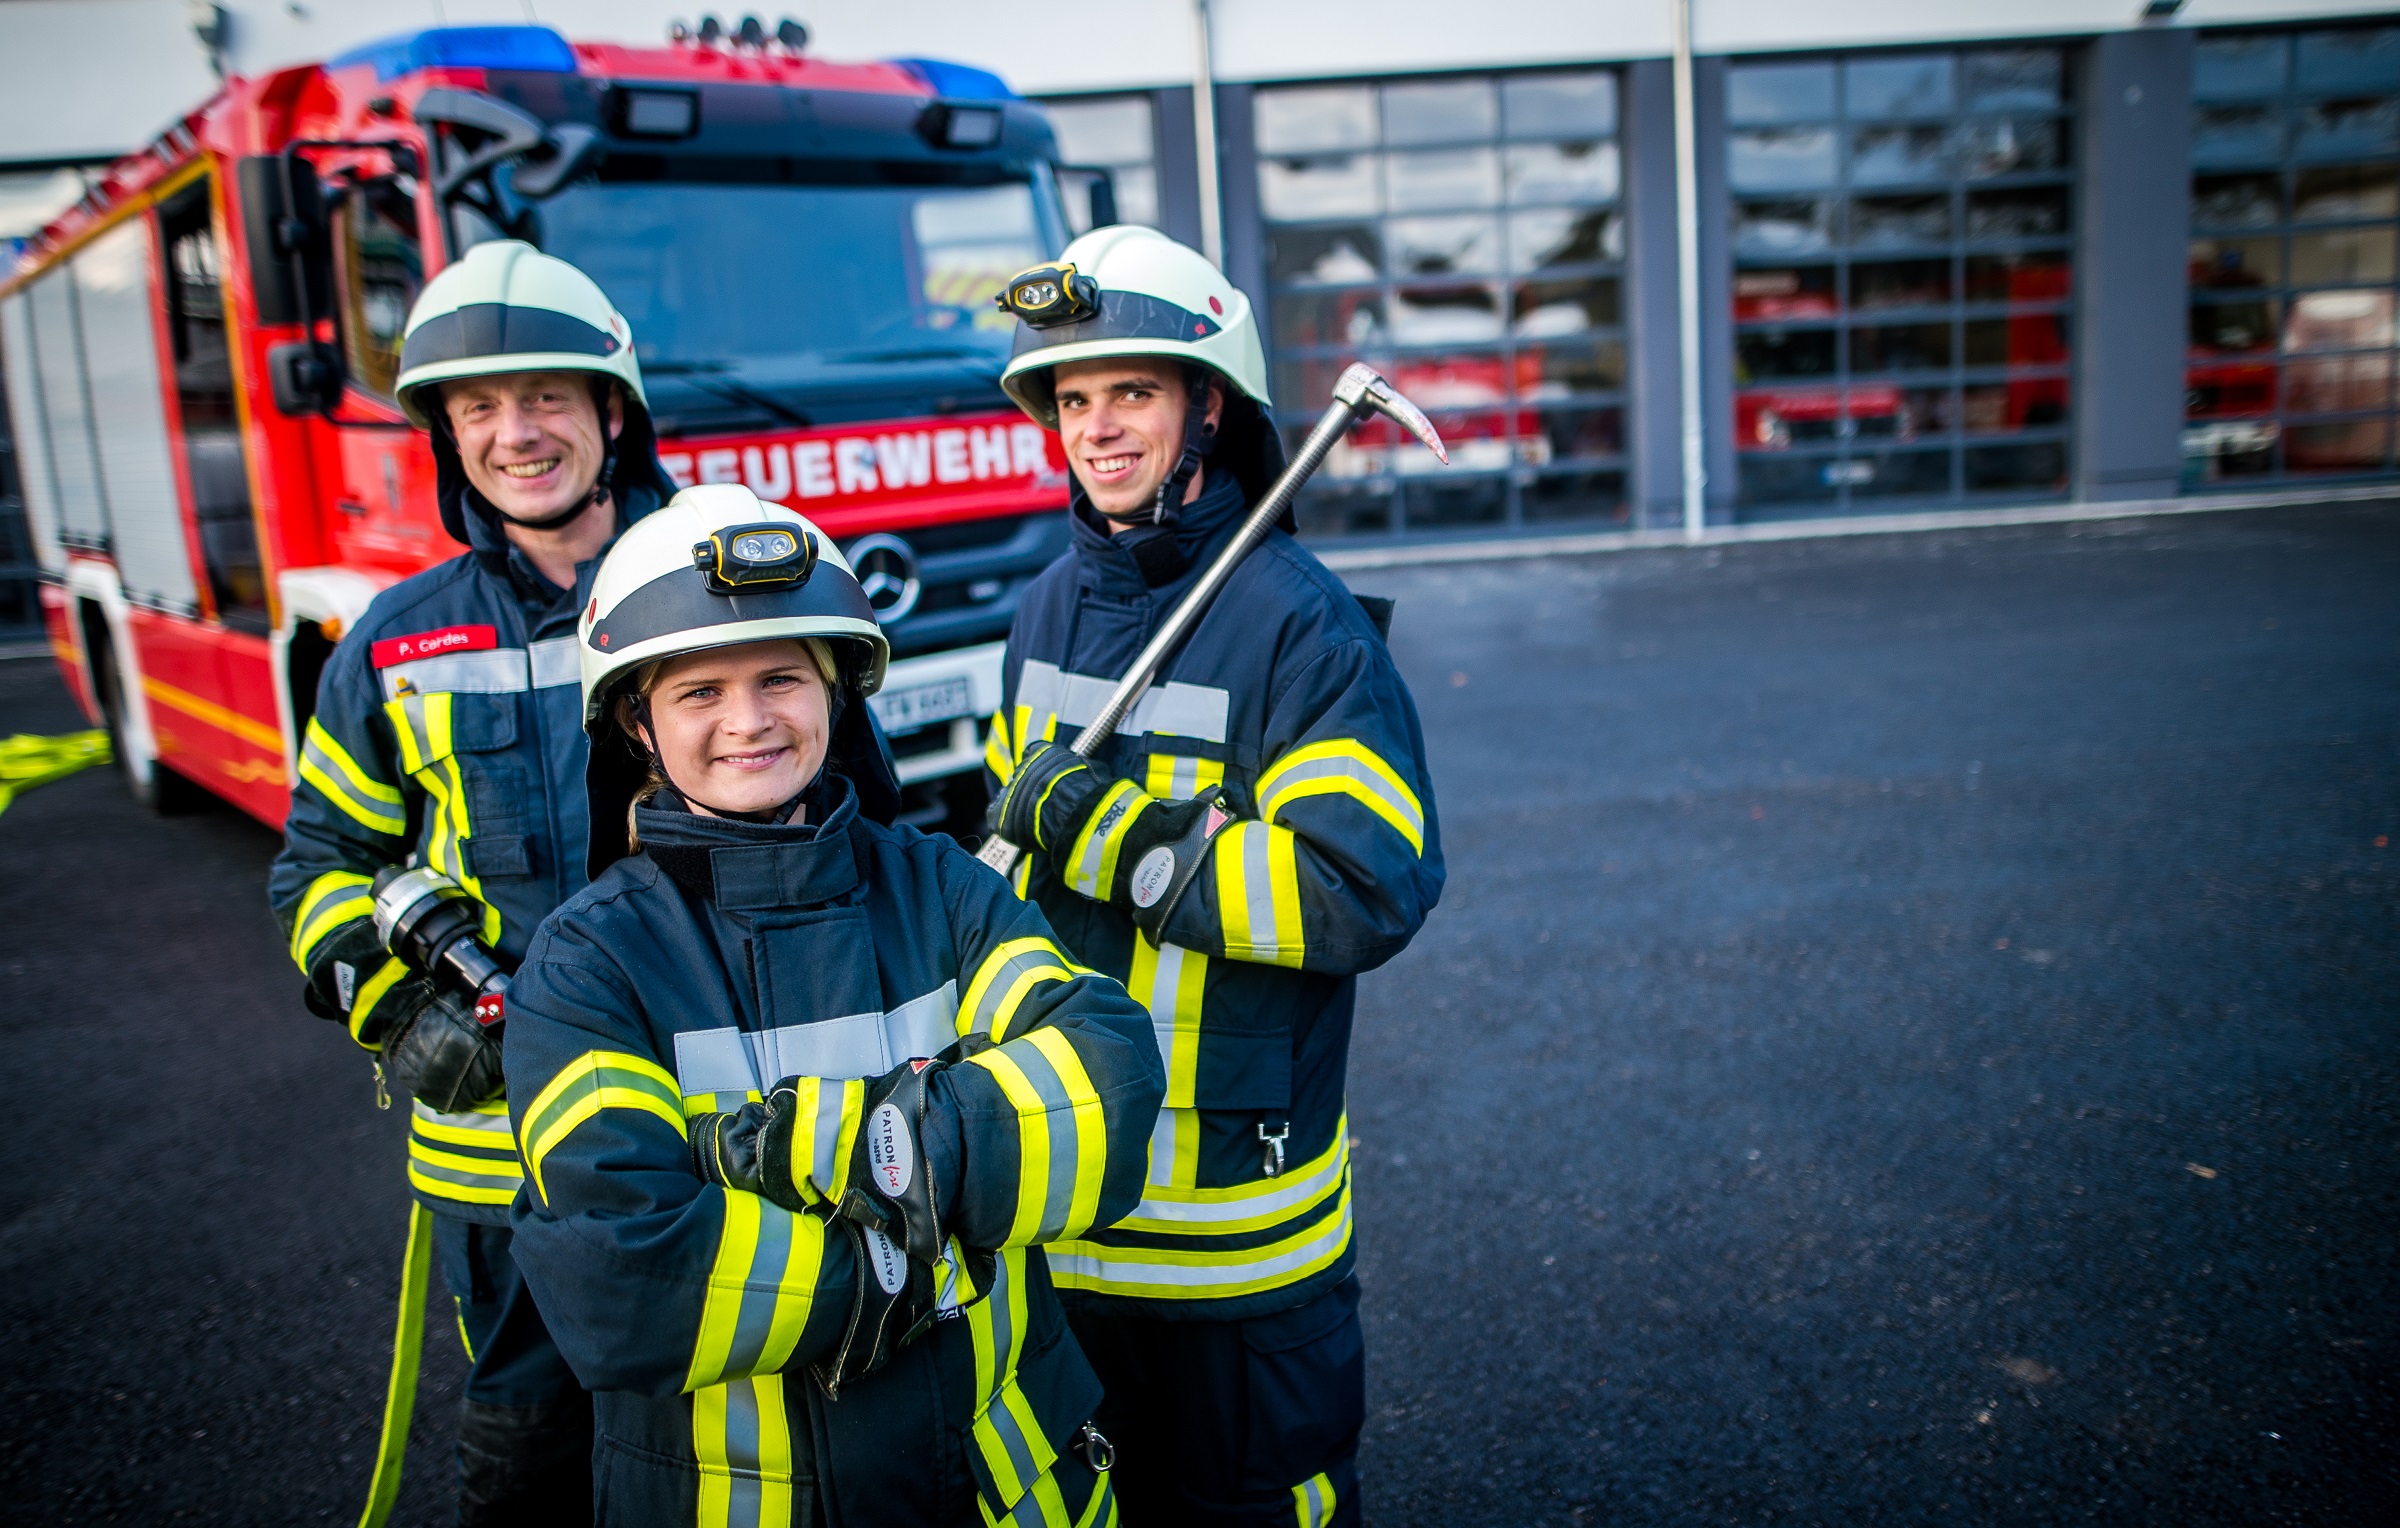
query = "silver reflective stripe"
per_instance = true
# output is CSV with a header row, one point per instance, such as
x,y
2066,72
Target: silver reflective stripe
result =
x,y
1258,890
855,1045
556,661
1127,1266
1352,770
493,1124
493,671
1059,1125
1176,709
1286,1193
1162,1149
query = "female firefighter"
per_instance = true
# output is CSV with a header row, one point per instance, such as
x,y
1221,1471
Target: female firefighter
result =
x,y
801,1092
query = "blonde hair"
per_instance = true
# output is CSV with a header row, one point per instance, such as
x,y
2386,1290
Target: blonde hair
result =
x,y
645,679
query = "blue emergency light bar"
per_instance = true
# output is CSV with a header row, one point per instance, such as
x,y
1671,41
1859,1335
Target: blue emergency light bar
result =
x,y
533,50
958,82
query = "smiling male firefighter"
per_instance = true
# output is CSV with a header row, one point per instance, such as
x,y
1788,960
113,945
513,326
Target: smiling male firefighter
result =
x,y
448,733
1259,831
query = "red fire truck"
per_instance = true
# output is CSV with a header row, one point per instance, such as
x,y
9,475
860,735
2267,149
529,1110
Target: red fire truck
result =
x,y
200,357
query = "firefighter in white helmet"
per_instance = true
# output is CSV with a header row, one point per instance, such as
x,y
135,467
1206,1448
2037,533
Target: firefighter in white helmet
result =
x,y
802,1092
446,734
1259,831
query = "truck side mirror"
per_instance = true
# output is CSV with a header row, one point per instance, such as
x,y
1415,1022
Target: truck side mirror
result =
x,y
276,233
306,378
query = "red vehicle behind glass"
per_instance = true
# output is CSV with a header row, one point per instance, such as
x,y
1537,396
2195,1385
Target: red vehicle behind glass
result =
x,y
201,353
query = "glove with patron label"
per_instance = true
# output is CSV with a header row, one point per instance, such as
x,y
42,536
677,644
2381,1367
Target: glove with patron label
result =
x,y
1048,798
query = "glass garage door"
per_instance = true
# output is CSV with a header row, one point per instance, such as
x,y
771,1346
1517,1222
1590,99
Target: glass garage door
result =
x,y
1903,278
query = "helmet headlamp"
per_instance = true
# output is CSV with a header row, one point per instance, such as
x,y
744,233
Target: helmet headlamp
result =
x,y
1049,295
753,559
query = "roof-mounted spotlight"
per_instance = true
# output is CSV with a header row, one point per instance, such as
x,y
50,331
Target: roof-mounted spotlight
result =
x,y
950,125
712,31
792,34
751,35
2161,10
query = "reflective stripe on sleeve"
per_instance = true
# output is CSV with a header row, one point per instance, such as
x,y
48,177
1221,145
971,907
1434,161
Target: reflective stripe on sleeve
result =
x,y
327,768
1091,863
333,899
594,1081
1002,981
761,1290
1258,894
371,992
824,1133
1172,983
742,1442
1343,767
468,1156
998,757
1313,1501
1062,1139
1179,777
428,752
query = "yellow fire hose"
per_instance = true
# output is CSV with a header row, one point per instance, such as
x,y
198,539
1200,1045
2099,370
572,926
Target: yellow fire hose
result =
x,y
27,761
400,1398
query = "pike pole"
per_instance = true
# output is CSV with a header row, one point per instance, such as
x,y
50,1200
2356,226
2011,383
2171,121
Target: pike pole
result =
x,y
1361,391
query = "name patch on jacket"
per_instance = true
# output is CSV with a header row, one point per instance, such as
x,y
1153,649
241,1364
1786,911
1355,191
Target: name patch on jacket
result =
x,y
428,644
483,668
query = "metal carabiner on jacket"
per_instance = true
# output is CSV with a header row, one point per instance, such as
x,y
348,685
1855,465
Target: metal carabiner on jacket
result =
x,y
1272,1141
1098,1452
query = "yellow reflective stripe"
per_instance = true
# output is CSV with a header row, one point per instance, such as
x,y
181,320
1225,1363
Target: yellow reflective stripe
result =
x,y
1215,1274
1180,777
1004,978
1015,1452
367,787
1258,894
1033,1145
1091,863
1042,1505
482,1167
762,1288
1313,1501
1181,1209
824,1132
442,1188
1044,799
391,824
1344,766
1100,1511
369,993
1089,1125
333,899
998,757
1172,982
742,1442
1175,1149
594,1081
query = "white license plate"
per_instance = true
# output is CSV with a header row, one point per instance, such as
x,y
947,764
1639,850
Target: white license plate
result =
x,y
921,705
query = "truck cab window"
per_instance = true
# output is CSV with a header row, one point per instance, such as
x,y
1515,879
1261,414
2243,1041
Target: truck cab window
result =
x,y
212,434
381,268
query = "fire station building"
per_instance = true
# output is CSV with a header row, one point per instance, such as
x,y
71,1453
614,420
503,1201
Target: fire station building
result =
x,y
1947,255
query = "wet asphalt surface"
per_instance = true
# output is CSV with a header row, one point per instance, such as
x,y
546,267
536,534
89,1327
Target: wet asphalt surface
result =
x,y
1909,1038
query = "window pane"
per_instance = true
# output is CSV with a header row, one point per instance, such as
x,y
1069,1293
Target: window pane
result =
x,y
2239,388
1804,292
1547,309
2032,213
2003,408
2339,129
1900,284
1432,182
1111,132
1779,93
1307,121
1781,158
2240,68
1445,315
2350,59
1562,172
1560,105
1890,156
1540,240
2227,265
1900,474
1452,111
1482,501
2010,147
1773,354
1569,371
1137,194
2028,339
1302,384
2335,193
1781,228
2236,201
2014,79
2035,276
1785,480
2342,255
2234,327
1900,347
1452,246
2036,465
1877,411
1295,189
2339,321
1346,252
1573,496
2216,452
1349,318
1890,222
1566,434
1898,87
2339,384
2356,446
2237,134
1778,418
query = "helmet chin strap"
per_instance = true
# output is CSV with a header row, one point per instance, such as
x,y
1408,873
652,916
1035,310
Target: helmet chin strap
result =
x,y
1199,439
603,389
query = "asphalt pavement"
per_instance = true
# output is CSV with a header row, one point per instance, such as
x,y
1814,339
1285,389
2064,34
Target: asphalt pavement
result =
x,y
1909,1038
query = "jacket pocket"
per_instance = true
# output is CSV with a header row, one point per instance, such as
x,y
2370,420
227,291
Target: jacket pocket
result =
x,y
1243,1070
1033,1415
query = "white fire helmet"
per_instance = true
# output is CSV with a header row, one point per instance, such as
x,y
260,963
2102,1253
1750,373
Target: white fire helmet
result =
x,y
1128,291
715,567
507,307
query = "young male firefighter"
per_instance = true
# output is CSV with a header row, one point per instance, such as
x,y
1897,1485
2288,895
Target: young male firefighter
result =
x,y
448,732
1259,831
800,1091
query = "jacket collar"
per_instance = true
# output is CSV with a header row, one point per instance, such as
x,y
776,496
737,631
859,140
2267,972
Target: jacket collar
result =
x,y
1109,568
749,867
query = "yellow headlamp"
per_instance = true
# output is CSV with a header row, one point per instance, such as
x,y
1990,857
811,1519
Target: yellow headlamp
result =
x,y
1049,295
753,559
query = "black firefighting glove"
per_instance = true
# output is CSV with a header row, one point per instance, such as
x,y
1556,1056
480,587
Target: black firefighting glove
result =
x,y
751,1148
891,1305
439,1053
1163,854
340,965
891,1186
1048,799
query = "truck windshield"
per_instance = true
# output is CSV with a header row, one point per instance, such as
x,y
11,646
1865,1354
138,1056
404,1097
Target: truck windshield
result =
x,y
777,288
